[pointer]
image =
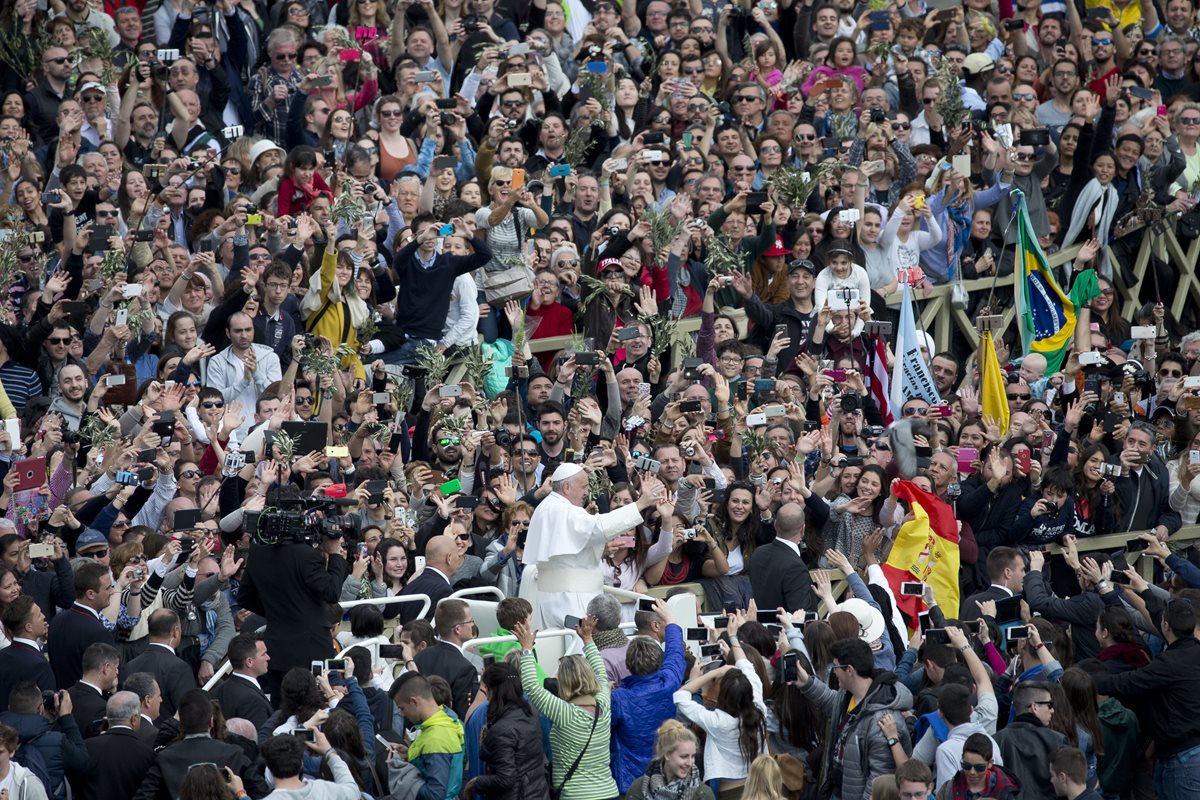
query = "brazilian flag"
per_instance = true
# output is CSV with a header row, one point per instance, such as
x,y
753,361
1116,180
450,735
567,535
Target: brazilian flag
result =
x,y
1045,314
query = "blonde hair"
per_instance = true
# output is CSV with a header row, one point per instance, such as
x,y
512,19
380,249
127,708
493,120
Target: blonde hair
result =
x,y
500,173
576,678
671,734
765,781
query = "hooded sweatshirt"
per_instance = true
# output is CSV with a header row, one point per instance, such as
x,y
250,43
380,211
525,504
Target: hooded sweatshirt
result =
x,y
438,753
949,752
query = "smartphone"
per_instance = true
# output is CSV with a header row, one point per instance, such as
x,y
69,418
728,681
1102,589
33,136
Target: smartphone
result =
x,y
114,380
427,76
712,666
966,457
691,407
624,335
693,634
720,622
790,660
317,666
1018,632
1024,460
912,589
646,603
418,563
570,622
756,420
337,452
937,636
1143,332
518,179
37,550
585,358
1090,358
384,743
1034,137
519,78
754,202
769,617
304,734
466,501
453,390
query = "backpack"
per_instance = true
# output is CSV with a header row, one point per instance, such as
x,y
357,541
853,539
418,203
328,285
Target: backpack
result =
x,y
29,757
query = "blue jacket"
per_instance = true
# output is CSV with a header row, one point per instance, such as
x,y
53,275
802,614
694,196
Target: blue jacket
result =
x,y
60,744
639,707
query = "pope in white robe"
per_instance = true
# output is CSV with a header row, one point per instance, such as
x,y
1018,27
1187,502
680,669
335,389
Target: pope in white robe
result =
x,y
566,543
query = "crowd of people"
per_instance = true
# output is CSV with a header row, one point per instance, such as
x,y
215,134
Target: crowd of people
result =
x,y
317,312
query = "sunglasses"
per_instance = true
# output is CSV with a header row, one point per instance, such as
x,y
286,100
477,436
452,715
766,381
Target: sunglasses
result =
x,y
1018,396
901,126
1098,42
391,113
304,401
446,441
745,98
1189,120
806,137
1170,373
59,60
213,404
190,473
513,103
969,767
95,553
59,340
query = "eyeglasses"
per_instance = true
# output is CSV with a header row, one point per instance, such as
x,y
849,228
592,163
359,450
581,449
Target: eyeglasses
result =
x,y
101,553
519,523
304,401
105,214
1108,292
840,666
1046,703
513,103
883,446
446,441
190,473
284,56
693,71
463,537
969,767
213,404
742,168
771,148
1170,373
912,411
233,170
745,98
1064,73
391,113
733,359
59,340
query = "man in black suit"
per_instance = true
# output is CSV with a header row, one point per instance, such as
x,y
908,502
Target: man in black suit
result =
x,y
442,559
101,664
454,625
240,694
23,660
75,630
778,575
146,688
196,746
1006,571
118,760
173,674
292,584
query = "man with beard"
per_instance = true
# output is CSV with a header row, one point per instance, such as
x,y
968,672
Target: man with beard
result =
x,y
552,424
638,355
47,348
243,370
526,465
581,211
553,141
137,124
797,313
447,451
72,386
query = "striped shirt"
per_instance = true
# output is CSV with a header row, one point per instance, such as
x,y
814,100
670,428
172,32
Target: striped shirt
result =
x,y
570,727
20,383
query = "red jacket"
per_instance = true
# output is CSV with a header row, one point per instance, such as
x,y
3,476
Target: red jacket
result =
x,y
293,198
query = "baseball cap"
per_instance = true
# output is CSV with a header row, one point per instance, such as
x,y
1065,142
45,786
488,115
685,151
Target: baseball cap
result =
x,y
609,265
777,249
977,63
804,264
90,539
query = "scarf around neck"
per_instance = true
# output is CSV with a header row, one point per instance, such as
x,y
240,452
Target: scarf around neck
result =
x,y
659,788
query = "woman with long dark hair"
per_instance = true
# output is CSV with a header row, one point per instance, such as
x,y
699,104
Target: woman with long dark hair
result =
x,y
852,517
736,728
1121,648
511,747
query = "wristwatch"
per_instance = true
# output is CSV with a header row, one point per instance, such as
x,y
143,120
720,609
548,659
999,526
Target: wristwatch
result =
x,y
893,741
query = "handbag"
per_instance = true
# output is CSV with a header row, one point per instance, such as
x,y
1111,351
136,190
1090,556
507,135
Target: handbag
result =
x,y
513,280
555,793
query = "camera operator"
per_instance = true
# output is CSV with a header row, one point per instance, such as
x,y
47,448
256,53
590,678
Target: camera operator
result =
x,y
290,583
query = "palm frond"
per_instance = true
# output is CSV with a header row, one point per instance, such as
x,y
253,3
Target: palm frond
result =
x,y
576,146
320,361
284,446
842,124
664,227
598,484
720,259
454,424
477,365
94,43
97,431
594,287
792,186
403,392
434,363
113,262
521,333
137,318
757,443
949,103
348,208
663,331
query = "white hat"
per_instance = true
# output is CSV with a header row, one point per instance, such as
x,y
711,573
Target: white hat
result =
x,y
565,472
870,621
92,85
264,146
977,63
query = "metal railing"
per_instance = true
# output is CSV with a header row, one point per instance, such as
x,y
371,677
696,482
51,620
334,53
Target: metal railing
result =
x,y
423,599
1189,534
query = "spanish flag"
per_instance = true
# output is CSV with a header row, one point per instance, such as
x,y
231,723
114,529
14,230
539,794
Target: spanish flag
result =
x,y
991,394
1045,314
926,550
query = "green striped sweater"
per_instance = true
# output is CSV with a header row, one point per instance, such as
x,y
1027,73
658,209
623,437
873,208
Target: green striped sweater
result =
x,y
569,730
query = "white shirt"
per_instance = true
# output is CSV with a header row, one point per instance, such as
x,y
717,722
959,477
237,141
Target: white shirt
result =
x,y
722,753
463,315
227,373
